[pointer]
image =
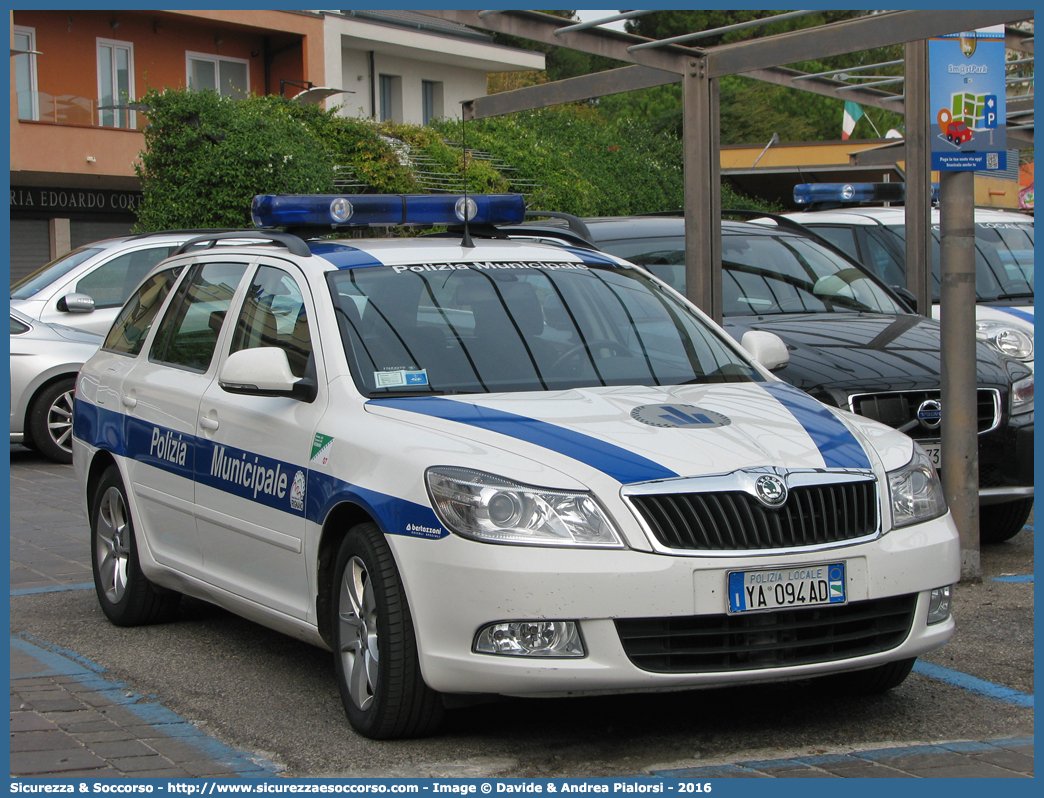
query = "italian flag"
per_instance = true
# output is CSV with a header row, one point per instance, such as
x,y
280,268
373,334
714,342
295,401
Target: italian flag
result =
x,y
853,113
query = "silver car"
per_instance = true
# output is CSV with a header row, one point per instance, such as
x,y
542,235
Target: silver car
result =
x,y
45,359
87,287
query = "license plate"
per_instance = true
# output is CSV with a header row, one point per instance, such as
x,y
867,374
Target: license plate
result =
x,y
934,451
802,586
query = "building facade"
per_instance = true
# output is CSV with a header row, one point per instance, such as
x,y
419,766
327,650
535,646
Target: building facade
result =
x,y
75,129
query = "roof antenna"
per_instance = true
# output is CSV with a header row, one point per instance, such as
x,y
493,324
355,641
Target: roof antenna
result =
x,y
466,242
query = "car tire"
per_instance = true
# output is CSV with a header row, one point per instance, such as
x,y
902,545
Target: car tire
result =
x,y
1001,522
51,419
375,649
871,681
126,595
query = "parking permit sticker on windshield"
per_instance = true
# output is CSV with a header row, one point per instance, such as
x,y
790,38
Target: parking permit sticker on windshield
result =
x,y
395,379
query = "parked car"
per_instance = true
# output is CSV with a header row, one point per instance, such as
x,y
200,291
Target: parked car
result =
x,y
494,467
44,361
87,287
853,343
876,237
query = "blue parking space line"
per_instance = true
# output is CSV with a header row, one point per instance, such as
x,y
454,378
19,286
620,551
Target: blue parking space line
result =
x,y
59,662
973,684
29,591
891,753
969,747
1028,526
708,771
1019,578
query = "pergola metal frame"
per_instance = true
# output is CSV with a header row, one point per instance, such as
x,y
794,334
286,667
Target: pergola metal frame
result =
x,y
652,63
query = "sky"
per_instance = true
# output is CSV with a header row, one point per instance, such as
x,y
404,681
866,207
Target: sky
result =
x,y
587,15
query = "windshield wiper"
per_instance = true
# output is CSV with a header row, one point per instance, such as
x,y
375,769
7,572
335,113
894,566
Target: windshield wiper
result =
x,y
1015,296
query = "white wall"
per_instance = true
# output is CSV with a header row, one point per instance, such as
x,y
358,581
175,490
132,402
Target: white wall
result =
x,y
461,66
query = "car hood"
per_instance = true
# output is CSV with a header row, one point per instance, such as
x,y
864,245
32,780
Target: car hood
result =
x,y
637,434
864,352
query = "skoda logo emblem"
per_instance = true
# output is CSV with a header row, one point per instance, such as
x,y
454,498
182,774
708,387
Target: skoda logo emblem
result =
x,y
772,491
930,414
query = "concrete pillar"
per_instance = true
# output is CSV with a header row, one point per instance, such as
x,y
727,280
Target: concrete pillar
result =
x,y
960,422
60,237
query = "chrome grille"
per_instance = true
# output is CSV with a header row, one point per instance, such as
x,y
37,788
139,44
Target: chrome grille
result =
x,y
898,409
752,641
813,515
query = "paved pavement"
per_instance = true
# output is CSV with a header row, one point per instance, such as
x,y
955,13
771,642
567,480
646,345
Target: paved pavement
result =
x,y
69,720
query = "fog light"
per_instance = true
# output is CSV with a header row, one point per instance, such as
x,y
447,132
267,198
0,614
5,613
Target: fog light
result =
x,y
939,605
531,639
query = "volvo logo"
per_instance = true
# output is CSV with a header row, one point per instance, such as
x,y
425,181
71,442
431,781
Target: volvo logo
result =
x,y
772,491
930,414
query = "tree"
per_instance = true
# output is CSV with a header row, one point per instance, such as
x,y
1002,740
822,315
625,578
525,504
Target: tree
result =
x,y
751,111
206,156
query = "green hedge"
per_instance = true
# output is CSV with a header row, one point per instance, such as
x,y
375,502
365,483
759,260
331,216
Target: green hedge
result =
x,y
206,156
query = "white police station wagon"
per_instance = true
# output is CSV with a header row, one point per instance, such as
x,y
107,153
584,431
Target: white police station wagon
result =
x,y
481,467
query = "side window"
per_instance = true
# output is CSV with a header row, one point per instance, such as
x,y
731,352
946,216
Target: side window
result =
x,y
17,328
189,330
132,325
881,262
274,314
111,283
840,237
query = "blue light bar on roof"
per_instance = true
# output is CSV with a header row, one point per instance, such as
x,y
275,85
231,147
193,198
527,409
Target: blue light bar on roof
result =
x,y
809,193
363,210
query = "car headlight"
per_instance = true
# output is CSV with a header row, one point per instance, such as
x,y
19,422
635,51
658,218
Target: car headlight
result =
x,y
1010,340
496,510
1022,396
916,492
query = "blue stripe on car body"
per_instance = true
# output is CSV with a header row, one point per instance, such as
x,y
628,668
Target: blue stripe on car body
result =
x,y
1018,313
619,463
211,464
836,443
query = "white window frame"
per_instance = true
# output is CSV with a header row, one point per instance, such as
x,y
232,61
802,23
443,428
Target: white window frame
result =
x,y
216,61
31,58
115,44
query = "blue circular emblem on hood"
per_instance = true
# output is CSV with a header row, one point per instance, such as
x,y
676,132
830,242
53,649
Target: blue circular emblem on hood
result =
x,y
678,416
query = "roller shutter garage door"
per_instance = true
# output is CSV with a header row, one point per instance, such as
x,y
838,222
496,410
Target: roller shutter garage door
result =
x,y
82,233
30,246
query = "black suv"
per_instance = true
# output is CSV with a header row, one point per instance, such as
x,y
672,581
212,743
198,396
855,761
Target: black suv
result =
x,y
853,343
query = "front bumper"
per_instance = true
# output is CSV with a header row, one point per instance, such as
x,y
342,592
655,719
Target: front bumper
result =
x,y
493,583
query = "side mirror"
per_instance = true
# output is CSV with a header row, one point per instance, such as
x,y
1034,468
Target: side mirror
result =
x,y
76,303
766,348
264,371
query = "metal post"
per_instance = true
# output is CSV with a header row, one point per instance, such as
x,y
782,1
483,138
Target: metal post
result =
x,y
960,453
918,178
702,162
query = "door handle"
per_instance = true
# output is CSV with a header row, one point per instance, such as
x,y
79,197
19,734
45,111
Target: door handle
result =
x,y
208,423
129,401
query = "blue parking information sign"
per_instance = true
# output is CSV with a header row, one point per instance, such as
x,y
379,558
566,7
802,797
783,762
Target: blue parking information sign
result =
x,y
967,100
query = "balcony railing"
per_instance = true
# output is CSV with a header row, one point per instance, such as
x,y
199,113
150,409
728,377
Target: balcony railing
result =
x,y
69,109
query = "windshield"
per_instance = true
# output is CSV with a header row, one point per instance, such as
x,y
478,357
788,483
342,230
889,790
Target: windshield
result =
x,y
485,328
49,272
767,275
1003,261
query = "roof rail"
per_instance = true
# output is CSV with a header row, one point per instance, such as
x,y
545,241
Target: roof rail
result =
x,y
199,231
576,224
291,242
